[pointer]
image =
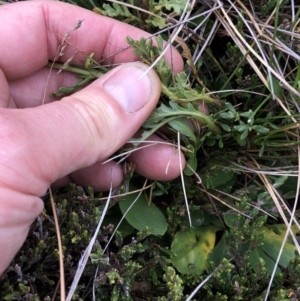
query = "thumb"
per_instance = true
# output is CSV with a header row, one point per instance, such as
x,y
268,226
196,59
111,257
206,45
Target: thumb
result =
x,y
48,142
113,108
58,138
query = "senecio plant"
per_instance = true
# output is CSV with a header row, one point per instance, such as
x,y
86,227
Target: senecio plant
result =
x,y
228,229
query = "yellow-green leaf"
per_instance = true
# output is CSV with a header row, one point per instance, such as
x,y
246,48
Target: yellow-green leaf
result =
x,y
273,237
191,248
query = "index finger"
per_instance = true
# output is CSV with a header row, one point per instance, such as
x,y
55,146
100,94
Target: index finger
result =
x,y
32,32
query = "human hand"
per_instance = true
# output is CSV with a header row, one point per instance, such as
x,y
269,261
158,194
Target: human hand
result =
x,y
67,140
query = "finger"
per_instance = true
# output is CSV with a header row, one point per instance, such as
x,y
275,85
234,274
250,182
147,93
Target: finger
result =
x,y
40,26
36,89
100,176
160,161
6,100
62,182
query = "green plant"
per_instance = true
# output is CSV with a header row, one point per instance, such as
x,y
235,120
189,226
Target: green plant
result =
x,y
240,184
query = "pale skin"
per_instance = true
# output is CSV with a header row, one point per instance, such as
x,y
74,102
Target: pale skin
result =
x,y
67,140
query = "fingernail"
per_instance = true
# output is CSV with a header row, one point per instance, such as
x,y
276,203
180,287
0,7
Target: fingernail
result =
x,y
130,86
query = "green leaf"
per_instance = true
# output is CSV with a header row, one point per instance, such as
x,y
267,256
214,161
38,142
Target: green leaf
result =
x,y
216,173
142,215
181,91
220,144
261,151
231,220
210,141
201,218
165,114
125,228
261,129
197,218
183,127
156,21
219,252
176,110
289,188
273,126
276,86
147,52
192,162
258,253
279,181
272,243
244,135
247,114
237,137
192,247
227,115
176,5
273,237
225,127
230,107
160,188
242,127
116,10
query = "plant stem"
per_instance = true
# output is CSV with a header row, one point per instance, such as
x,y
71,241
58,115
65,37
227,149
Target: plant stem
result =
x,y
74,69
